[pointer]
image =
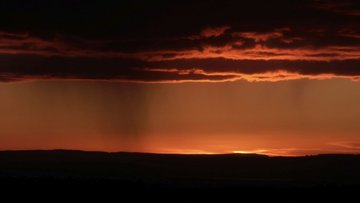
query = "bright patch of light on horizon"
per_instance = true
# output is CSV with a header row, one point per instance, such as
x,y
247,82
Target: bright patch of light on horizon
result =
x,y
257,151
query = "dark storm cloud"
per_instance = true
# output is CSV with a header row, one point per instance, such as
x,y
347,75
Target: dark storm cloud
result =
x,y
166,41
348,67
15,68
351,8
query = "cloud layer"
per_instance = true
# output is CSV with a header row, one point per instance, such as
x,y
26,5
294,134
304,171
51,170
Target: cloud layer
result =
x,y
179,41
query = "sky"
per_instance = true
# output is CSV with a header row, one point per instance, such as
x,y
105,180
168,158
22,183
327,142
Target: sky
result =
x,y
271,77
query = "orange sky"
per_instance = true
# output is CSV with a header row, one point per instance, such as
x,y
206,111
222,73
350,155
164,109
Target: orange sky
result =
x,y
273,77
277,118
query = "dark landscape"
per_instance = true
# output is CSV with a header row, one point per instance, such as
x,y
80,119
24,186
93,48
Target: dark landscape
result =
x,y
141,172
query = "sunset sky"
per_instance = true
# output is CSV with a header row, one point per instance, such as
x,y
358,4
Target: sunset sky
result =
x,y
275,77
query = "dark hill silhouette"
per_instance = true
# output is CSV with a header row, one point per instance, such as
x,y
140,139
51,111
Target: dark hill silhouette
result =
x,y
223,169
157,172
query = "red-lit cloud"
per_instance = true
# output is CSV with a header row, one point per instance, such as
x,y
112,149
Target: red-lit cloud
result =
x,y
210,32
340,7
220,46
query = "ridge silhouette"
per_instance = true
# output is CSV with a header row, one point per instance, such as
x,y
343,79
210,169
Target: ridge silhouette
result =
x,y
176,170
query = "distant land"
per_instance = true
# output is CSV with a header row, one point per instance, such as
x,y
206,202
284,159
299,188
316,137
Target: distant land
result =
x,y
182,170
157,172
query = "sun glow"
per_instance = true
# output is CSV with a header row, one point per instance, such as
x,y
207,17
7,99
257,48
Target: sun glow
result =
x,y
257,151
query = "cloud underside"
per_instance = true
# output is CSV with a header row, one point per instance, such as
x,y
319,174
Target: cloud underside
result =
x,y
17,68
180,41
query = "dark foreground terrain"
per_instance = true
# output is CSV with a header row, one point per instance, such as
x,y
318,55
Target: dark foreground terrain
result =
x,y
254,176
